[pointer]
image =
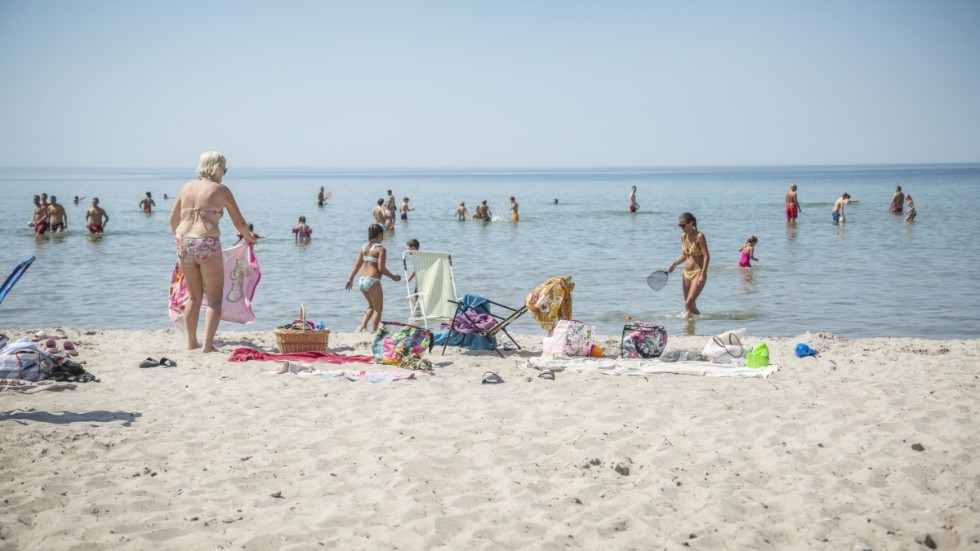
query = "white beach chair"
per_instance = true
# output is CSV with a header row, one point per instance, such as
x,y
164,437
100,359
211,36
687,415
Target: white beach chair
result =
x,y
432,288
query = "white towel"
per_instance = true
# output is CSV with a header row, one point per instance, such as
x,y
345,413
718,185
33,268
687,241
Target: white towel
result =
x,y
611,366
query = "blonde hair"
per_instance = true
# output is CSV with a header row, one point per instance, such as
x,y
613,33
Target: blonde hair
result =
x,y
211,165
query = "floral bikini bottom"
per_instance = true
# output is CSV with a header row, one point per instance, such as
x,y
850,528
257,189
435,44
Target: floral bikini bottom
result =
x,y
195,250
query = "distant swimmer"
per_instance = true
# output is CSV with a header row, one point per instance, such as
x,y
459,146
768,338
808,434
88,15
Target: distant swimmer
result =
x,y
147,203
404,209
251,230
793,208
302,232
321,198
898,201
838,211
78,199
911,212
461,211
482,212
513,210
390,204
379,213
96,217
634,206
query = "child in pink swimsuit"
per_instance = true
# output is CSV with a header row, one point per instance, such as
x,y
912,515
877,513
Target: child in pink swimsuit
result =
x,y
748,252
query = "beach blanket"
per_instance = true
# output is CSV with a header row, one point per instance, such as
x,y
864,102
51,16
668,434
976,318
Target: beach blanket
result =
x,y
245,354
242,276
373,376
634,367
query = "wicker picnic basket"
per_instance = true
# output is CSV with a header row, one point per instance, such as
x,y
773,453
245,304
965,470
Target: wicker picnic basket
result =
x,y
303,339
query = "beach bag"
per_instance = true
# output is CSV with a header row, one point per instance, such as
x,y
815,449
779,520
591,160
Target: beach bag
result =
x,y
24,364
643,340
401,344
569,338
725,348
758,356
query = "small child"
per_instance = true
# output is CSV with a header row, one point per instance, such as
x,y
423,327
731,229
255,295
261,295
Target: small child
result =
x,y
748,252
251,230
911,213
412,245
302,232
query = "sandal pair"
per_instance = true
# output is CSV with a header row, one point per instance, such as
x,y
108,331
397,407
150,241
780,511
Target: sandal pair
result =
x,y
162,362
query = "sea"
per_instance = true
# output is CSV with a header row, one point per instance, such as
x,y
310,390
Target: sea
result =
x,y
875,275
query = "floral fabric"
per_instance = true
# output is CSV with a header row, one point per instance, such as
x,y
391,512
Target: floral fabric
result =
x,y
401,344
643,340
551,301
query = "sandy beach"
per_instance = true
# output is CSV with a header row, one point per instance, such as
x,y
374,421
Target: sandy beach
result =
x,y
871,445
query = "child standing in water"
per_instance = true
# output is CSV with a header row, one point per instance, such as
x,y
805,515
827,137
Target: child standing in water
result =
x,y
371,262
911,212
748,252
302,232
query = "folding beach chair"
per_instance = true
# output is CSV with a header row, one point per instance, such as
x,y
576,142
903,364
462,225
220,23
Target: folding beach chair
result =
x,y
473,317
432,291
15,276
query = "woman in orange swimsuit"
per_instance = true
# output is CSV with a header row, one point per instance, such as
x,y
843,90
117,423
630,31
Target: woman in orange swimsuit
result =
x,y
695,257
194,221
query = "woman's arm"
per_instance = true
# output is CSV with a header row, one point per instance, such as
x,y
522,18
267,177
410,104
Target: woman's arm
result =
x,y
707,257
237,219
175,212
357,266
382,256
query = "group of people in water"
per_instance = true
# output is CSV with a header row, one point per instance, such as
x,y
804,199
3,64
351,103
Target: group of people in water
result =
x,y
50,216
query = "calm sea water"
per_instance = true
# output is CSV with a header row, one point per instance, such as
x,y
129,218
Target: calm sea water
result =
x,y
876,275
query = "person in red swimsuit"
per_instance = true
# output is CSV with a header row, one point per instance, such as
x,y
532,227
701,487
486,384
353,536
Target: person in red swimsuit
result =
x,y
96,217
793,208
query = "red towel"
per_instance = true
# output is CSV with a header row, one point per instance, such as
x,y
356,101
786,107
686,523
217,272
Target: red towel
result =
x,y
246,354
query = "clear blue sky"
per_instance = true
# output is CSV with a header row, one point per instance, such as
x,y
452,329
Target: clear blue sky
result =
x,y
364,84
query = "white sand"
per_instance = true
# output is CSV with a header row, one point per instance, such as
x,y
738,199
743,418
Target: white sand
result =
x,y
820,455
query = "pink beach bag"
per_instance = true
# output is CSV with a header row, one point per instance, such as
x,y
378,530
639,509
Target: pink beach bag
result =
x,y
569,338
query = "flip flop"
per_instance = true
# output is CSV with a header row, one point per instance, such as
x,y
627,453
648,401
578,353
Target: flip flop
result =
x,y
70,348
491,378
51,347
165,362
547,373
149,362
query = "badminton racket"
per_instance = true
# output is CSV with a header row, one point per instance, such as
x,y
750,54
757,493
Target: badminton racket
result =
x,y
657,280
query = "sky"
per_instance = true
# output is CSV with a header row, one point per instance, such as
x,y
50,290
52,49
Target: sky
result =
x,y
462,84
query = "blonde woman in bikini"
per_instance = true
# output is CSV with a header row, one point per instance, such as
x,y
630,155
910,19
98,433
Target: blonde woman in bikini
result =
x,y
695,257
194,221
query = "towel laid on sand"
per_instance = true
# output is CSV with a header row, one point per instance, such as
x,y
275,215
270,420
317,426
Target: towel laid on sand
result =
x,y
245,354
378,376
634,367
31,387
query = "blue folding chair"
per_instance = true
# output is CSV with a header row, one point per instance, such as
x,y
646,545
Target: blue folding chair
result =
x,y
15,276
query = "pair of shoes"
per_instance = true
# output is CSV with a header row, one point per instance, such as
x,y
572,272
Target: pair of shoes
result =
x,y
491,378
162,362
547,373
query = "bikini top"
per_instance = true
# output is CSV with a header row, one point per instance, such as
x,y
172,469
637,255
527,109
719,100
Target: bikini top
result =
x,y
369,258
693,250
200,211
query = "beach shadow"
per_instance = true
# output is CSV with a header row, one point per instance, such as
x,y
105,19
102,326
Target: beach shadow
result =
x,y
68,417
